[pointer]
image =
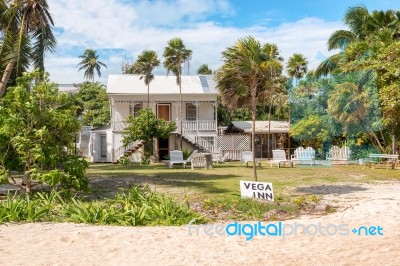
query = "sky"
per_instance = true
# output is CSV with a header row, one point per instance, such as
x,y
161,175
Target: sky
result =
x,y
119,30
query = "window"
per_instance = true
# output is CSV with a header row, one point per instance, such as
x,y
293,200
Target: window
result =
x,y
134,109
191,112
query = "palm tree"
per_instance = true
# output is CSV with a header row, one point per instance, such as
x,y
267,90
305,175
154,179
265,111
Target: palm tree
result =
x,y
144,66
367,32
350,103
204,70
297,66
175,55
26,30
241,79
274,81
90,62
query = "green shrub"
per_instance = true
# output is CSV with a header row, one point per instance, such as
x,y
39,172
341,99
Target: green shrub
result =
x,y
186,153
136,206
124,161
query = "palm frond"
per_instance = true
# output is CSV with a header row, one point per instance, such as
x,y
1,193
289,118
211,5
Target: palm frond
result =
x,y
328,66
340,38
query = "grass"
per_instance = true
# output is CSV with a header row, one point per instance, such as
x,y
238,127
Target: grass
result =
x,y
216,192
224,178
206,195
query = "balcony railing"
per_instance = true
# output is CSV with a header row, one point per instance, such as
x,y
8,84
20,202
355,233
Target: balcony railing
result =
x,y
198,125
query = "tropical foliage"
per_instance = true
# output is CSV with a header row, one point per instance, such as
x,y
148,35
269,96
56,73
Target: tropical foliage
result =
x,y
144,66
175,55
96,105
368,48
137,206
250,72
204,70
90,63
26,34
146,126
297,66
37,131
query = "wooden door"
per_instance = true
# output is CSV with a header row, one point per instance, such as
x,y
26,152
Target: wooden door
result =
x,y
163,111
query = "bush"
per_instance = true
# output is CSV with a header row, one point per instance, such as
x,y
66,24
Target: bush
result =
x,y
136,206
362,152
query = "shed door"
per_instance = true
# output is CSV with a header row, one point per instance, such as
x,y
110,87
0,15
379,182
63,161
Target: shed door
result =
x,y
103,146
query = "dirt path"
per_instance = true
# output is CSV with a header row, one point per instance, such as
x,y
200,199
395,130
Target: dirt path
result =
x,y
360,205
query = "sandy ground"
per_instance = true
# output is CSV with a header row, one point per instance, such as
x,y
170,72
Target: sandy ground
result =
x,y
72,244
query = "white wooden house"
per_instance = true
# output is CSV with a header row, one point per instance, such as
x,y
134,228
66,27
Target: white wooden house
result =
x,y
128,94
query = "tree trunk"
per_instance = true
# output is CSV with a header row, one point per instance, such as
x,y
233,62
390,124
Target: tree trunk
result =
x,y
253,130
148,95
180,111
372,133
289,135
393,140
269,122
146,147
26,179
6,78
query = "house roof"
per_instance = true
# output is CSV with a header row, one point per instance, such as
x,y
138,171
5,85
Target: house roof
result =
x,y
261,126
70,88
132,84
105,127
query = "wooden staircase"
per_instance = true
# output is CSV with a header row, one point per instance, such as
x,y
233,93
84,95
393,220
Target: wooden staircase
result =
x,y
127,151
198,142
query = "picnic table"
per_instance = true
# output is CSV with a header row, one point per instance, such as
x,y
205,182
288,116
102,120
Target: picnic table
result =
x,y
385,159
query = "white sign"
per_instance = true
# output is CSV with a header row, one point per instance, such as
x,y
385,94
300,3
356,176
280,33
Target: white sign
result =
x,y
258,190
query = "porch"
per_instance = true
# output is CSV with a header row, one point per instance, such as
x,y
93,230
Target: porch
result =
x,y
197,125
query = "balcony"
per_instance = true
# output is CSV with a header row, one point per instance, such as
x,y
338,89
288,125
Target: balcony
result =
x,y
197,125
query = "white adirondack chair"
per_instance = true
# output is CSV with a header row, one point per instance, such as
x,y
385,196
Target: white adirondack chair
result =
x,y
176,157
337,154
218,158
198,160
304,155
189,159
279,156
246,157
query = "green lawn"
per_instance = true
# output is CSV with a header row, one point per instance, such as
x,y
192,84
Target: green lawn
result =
x,y
224,178
218,188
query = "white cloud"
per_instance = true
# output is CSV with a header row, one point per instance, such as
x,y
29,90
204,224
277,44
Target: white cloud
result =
x,y
122,30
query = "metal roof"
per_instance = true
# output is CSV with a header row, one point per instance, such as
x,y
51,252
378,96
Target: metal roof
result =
x,y
132,84
261,126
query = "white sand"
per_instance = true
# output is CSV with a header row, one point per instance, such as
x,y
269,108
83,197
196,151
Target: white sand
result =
x,y
72,244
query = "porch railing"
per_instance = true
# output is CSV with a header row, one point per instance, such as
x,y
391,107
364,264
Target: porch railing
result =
x,y
85,130
204,125
200,125
203,143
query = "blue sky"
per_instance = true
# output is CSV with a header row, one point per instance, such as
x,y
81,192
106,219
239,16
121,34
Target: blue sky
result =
x,y
121,29
275,12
